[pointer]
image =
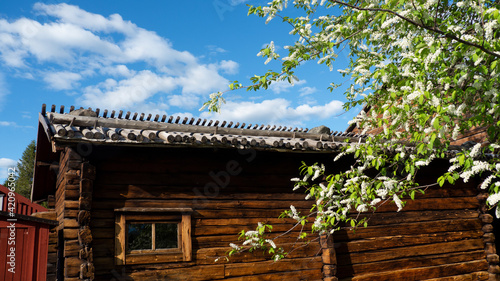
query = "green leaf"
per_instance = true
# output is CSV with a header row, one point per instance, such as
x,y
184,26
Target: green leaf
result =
x,y
441,180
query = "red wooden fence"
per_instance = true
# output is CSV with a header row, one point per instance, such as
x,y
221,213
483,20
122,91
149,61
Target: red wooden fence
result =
x,y
23,239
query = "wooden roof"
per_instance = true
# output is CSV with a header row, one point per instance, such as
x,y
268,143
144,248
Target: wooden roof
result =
x,y
85,125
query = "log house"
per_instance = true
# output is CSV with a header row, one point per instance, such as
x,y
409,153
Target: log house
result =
x,y
160,198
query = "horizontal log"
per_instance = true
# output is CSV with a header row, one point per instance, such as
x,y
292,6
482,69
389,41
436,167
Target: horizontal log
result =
x,y
423,273
202,203
236,229
412,262
169,192
454,203
224,240
493,258
67,194
266,267
153,258
197,231
486,218
206,213
72,205
210,254
371,244
386,218
408,229
310,275
193,180
457,190
48,215
72,267
105,265
71,248
205,163
235,193
405,252
195,273
70,233
476,276
242,222
70,223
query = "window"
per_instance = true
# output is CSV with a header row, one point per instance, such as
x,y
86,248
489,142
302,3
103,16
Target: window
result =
x,y
152,235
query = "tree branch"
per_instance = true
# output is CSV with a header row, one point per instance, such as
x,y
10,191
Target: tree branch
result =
x,y
433,29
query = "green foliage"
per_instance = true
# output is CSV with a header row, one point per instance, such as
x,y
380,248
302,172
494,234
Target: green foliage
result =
x,y
24,171
427,70
257,239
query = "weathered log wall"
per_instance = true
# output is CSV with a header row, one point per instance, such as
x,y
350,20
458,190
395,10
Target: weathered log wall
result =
x,y
441,235
73,202
445,234
228,191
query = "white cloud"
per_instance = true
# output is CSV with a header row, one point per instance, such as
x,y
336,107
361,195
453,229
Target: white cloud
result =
x,y
237,2
127,93
183,115
6,163
275,111
14,124
215,49
152,108
184,101
8,123
202,79
26,114
3,90
304,91
120,70
284,86
78,45
229,66
63,80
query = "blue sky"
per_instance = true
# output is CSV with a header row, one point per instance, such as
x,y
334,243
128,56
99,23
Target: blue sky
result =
x,y
160,57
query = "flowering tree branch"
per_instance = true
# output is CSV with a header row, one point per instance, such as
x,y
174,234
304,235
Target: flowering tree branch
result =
x,y
427,70
422,25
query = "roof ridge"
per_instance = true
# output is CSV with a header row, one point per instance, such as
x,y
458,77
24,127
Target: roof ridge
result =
x,y
176,119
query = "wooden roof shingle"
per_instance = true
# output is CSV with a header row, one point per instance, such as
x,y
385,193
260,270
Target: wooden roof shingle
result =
x,y
119,128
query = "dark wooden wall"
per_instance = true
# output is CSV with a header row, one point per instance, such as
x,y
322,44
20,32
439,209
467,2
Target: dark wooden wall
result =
x,y
253,186
444,234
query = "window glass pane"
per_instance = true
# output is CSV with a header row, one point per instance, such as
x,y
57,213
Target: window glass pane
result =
x,y
166,235
139,236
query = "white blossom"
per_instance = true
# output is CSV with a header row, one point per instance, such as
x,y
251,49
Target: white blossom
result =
x,y
398,202
375,201
382,193
475,150
271,242
487,182
362,208
294,214
251,233
493,199
234,246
